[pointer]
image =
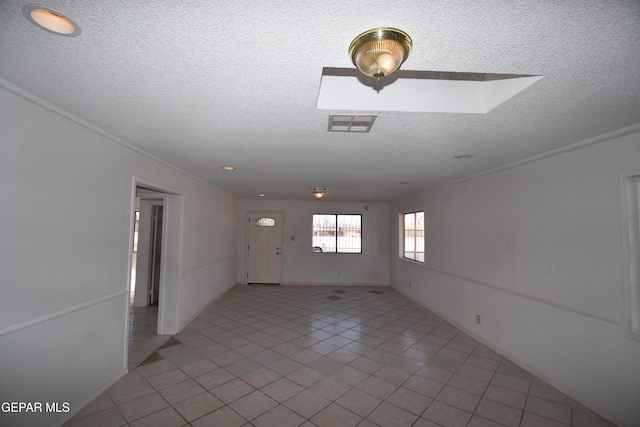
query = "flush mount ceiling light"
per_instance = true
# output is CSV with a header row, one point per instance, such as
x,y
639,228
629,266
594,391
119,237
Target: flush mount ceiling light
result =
x,y
51,20
318,192
380,51
464,156
228,168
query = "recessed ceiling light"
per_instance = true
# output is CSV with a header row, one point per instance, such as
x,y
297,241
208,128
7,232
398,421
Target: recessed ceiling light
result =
x,y
464,156
228,168
51,20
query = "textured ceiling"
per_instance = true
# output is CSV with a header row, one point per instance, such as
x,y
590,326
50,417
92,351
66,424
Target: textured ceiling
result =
x,y
202,84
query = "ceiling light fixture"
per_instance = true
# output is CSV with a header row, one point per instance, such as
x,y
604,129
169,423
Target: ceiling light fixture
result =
x,y
318,192
228,168
464,156
380,51
51,20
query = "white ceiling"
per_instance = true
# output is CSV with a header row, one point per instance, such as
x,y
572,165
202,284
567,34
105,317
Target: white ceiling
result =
x,y
203,84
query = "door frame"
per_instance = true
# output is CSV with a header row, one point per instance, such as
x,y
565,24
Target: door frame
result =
x,y
148,201
153,290
248,237
171,259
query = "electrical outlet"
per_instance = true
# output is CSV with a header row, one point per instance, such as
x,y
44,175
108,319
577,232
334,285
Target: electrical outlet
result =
x,y
478,319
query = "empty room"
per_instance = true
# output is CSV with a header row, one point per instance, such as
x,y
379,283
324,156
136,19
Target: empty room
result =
x,y
421,213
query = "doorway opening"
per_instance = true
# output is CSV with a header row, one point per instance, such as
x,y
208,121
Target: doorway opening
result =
x,y
155,271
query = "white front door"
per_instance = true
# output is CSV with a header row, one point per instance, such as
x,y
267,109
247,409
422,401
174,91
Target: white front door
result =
x,y
264,249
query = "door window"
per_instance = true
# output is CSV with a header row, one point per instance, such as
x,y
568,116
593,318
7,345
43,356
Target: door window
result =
x,y
265,221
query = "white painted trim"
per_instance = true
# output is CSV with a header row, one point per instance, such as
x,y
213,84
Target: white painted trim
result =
x,y
46,317
401,256
630,252
378,285
173,202
93,396
363,234
523,295
172,231
418,264
18,91
234,255
247,225
139,182
127,310
551,153
509,357
206,307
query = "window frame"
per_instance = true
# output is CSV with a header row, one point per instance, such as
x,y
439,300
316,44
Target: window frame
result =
x,y
630,198
336,215
402,235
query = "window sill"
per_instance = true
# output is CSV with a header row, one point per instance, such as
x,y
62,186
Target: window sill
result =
x,y
632,335
411,261
336,253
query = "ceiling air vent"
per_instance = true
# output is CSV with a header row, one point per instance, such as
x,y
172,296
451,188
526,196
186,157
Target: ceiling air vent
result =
x,y
350,123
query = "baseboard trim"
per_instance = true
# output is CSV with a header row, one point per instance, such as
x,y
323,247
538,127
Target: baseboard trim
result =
x,y
334,284
80,407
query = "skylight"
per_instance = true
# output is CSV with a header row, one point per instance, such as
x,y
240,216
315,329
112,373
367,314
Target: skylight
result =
x,y
420,91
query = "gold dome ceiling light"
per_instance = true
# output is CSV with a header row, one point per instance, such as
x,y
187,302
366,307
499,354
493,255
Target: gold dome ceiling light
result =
x,y
318,192
380,51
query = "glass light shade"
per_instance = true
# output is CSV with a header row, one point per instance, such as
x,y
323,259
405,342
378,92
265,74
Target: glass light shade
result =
x,y
318,192
52,21
379,58
380,52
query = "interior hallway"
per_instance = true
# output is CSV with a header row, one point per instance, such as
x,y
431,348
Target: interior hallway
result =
x,y
327,356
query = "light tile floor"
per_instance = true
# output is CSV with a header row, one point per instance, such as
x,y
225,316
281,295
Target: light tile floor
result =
x,y
143,338
327,356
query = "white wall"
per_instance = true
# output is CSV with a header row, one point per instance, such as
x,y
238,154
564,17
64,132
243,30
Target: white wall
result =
x,y
490,242
300,266
66,203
